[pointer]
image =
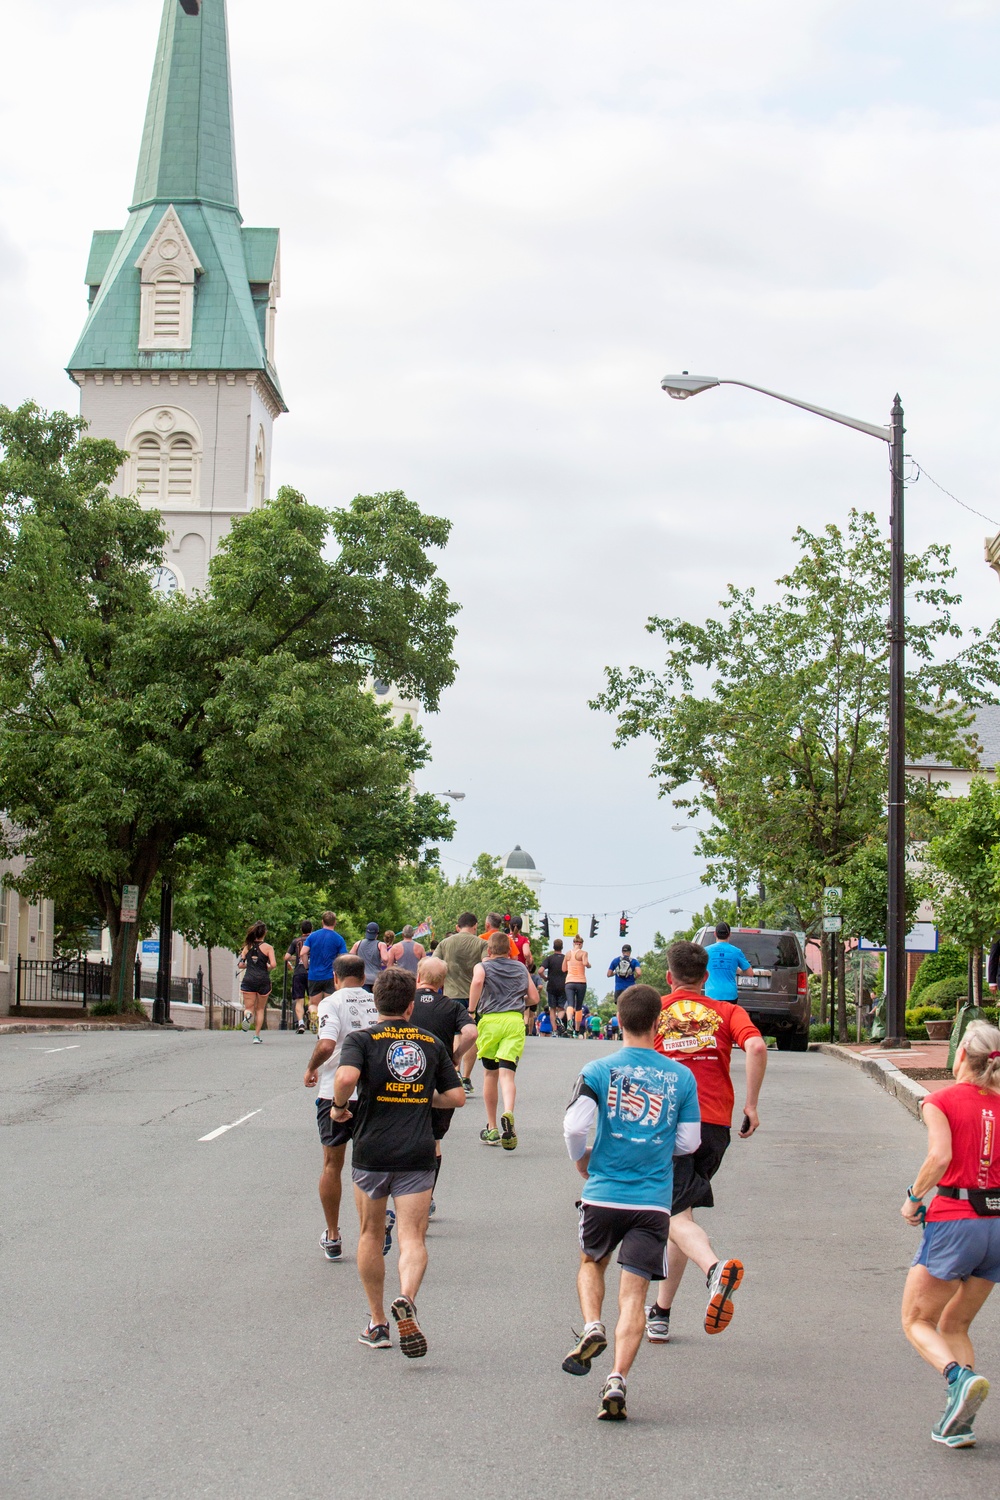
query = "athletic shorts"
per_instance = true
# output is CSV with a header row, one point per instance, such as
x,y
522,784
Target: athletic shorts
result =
x,y
320,987
441,1122
251,989
693,1174
377,1185
299,985
501,1037
955,1249
332,1132
642,1234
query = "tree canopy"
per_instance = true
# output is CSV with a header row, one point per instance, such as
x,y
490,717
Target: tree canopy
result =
x,y
777,712
432,896
138,734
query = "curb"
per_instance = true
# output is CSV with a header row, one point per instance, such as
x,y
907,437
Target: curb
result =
x,y
18,1029
910,1094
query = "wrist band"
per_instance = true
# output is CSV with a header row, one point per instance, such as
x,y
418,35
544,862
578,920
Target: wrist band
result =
x,y
912,1196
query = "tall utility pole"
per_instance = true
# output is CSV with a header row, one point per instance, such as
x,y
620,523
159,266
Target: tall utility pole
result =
x,y
895,958
161,1004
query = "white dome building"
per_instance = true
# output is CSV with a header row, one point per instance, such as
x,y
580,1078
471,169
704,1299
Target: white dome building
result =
x,y
520,864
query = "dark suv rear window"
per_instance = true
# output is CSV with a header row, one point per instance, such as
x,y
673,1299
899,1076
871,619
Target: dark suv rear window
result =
x,y
768,950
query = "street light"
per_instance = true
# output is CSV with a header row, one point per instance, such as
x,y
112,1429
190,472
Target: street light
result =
x,y
455,796
681,387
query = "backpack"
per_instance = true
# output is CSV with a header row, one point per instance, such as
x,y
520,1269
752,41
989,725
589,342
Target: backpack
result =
x,y
623,969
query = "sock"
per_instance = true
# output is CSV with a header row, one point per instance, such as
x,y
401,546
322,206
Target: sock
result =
x,y
711,1273
617,1375
587,1327
656,1311
952,1371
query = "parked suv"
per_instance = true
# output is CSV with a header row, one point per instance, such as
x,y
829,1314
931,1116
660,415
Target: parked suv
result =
x,y
776,994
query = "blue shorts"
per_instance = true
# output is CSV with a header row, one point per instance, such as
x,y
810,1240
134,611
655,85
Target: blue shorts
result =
x,y
955,1249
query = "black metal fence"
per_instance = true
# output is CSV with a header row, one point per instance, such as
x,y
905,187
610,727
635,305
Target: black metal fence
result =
x,y
66,981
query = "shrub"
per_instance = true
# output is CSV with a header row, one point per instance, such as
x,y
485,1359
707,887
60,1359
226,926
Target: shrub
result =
x,y
945,992
950,960
915,1018
109,1008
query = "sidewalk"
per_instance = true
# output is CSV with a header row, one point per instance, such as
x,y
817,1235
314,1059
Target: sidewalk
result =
x,y
908,1073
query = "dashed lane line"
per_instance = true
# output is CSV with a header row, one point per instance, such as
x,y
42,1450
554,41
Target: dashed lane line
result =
x,y
74,1047
214,1134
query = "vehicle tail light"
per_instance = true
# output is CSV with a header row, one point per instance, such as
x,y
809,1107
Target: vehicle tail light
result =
x,y
803,984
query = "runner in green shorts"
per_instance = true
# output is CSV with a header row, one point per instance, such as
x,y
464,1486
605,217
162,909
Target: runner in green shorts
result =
x,y
501,989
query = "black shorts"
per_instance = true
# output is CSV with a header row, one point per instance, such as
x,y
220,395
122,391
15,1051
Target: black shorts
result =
x,y
642,1234
556,999
299,985
693,1174
332,1132
320,987
441,1122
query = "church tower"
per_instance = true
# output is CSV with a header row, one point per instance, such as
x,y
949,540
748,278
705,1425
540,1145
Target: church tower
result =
x,y
176,359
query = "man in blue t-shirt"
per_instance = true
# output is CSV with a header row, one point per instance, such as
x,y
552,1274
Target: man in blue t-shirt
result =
x,y
625,970
321,951
725,961
645,1107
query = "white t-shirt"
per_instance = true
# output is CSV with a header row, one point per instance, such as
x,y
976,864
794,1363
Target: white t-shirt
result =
x,y
347,1010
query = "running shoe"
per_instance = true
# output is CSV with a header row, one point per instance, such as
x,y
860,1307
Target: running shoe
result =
x,y
411,1340
376,1336
247,1021
508,1135
590,1343
258,1041
613,1400
332,1249
302,1028
390,1221
657,1325
722,1280
432,1210
961,1437
489,1137
468,1086
966,1395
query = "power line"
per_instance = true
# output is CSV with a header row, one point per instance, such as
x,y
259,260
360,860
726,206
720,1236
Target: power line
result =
x,y
573,885
922,472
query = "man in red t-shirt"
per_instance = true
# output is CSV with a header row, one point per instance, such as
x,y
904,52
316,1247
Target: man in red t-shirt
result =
x,y
701,1033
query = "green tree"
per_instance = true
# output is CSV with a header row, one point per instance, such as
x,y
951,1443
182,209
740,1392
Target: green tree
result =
x,y
864,907
429,895
132,728
777,712
964,872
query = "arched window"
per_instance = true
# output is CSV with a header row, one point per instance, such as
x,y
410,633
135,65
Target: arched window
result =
x,y
180,471
166,311
167,270
165,445
147,466
259,469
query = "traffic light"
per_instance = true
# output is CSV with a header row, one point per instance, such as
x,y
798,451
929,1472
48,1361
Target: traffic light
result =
x,y
545,925
623,925
594,924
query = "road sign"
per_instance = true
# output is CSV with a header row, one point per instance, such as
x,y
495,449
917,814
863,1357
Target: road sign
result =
x,y
571,926
921,938
832,924
150,945
130,903
833,896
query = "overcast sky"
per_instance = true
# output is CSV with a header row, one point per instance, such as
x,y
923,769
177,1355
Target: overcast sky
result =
x,y
500,226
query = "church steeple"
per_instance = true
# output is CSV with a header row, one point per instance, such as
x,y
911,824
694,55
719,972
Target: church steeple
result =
x,y
188,148
176,359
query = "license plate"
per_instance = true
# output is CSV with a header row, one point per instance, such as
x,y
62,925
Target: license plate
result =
x,y
746,981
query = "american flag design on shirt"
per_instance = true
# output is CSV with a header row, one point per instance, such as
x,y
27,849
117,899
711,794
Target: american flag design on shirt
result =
x,y
633,1099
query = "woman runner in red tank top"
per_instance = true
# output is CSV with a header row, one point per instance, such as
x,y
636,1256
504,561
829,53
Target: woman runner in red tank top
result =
x,y
958,1263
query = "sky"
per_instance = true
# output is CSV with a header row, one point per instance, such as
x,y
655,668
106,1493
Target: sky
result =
x,y
501,225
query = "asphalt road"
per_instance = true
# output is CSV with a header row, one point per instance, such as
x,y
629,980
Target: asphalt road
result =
x,y
171,1328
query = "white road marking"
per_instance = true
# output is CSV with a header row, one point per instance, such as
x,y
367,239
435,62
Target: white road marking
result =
x,y
212,1134
74,1047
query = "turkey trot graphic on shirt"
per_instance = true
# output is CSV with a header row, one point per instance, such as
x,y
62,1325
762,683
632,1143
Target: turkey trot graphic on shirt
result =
x,y
688,1026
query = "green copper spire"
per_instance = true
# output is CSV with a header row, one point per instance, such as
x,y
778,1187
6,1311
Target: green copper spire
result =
x,y
188,150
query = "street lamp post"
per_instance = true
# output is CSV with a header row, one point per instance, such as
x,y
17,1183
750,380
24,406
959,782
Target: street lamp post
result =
x,y
680,387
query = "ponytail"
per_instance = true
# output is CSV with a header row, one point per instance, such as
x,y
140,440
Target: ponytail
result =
x,y
981,1044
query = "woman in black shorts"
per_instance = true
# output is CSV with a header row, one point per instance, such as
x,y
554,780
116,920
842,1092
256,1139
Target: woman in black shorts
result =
x,y
256,960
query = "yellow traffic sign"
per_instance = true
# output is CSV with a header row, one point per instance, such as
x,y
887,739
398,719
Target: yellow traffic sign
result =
x,y
570,926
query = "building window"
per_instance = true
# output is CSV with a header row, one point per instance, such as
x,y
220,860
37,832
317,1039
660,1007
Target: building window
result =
x,y
40,948
258,470
165,444
180,471
167,270
4,925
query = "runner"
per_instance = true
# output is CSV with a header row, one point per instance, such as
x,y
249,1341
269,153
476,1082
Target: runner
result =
x,y
725,961
646,1110
701,1032
373,953
299,975
319,954
401,1072
349,1008
501,990
406,954
256,960
958,1263
577,964
526,957
451,1023
461,950
625,970
553,969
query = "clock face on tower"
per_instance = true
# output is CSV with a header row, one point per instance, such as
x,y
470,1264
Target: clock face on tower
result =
x,y
164,581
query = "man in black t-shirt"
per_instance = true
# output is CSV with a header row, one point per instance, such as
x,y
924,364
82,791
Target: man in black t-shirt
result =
x,y
553,967
300,975
402,1072
451,1023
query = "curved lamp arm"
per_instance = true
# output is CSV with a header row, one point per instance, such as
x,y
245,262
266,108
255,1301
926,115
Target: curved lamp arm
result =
x,y
680,387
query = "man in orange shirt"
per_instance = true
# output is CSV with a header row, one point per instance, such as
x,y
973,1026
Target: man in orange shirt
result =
x,y
701,1033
